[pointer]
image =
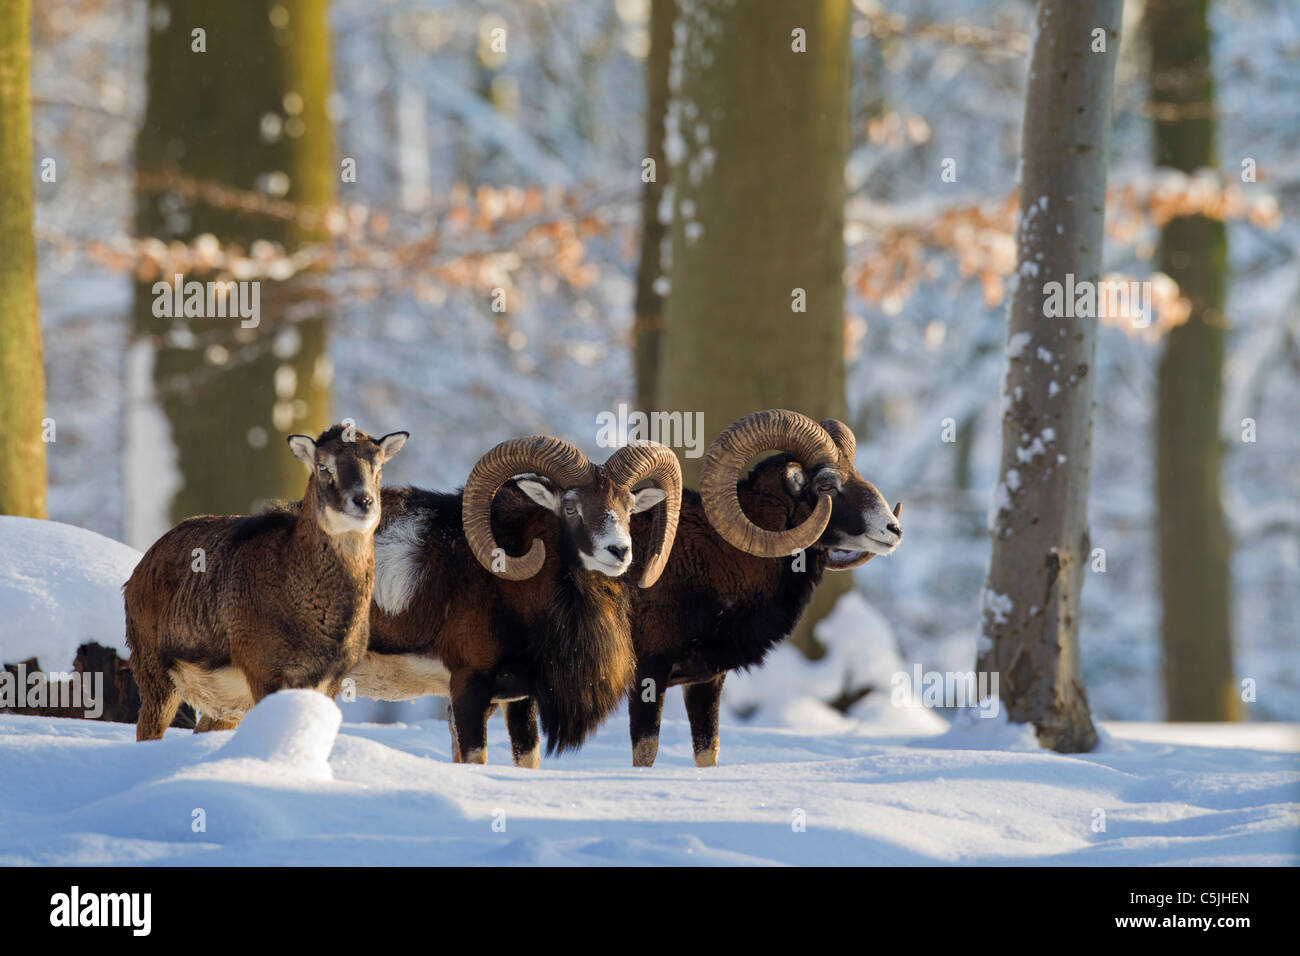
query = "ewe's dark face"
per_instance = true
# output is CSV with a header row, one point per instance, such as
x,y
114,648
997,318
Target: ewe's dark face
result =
x,y
595,519
861,522
346,468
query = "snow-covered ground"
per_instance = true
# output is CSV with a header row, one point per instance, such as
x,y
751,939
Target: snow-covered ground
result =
x,y
81,792
800,783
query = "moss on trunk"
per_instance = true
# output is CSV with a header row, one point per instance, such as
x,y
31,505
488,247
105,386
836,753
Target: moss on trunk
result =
x,y
250,112
648,329
22,374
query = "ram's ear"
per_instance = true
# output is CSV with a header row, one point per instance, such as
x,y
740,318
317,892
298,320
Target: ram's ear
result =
x,y
304,448
647,498
541,493
392,443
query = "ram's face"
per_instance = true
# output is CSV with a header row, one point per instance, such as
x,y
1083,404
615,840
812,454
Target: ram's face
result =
x,y
595,519
861,521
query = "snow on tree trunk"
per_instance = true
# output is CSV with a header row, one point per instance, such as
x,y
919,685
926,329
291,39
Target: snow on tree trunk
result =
x,y
22,375
1031,602
1191,532
757,134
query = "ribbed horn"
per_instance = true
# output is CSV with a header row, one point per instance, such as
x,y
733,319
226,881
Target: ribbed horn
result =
x,y
651,461
538,454
842,435
779,429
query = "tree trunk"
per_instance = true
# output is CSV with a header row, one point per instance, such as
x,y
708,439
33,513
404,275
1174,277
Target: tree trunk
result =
x,y
22,375
1031,601
1191,533
244,114
650,300
757,136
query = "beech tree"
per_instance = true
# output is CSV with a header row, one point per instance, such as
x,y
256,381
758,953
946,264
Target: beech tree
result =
x,y
237,99
650,299
22,374
1191,534
757,135
1031,601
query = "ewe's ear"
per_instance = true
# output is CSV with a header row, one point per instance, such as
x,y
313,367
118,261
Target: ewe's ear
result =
x,y
647,498
542,494
392,443
304,448
795,479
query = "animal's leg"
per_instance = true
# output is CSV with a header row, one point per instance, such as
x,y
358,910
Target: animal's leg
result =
x,y
645,707
159,701
471,700
451,723
455,743
208,722
521,722
702,702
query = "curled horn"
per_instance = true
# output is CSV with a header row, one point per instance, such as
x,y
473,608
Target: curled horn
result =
x,y
539,454
842,435
786,431
656,463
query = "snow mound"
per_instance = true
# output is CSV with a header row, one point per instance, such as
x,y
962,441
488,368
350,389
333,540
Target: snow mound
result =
x,y
971,731
292,729
60,587
860,652
880,715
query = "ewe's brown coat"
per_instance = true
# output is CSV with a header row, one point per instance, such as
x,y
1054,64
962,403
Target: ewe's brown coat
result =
x,y
222,611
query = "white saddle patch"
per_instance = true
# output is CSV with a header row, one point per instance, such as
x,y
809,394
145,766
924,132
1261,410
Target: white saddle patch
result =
x,y
400,676
398,564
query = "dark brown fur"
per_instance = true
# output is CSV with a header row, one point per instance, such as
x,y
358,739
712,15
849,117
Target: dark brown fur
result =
x,y
559,642
281,603
716,608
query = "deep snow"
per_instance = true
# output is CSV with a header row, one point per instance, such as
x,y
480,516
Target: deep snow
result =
x,y
82,792
884,784
60,587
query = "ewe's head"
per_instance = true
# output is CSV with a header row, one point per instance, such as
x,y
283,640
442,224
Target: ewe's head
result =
x,y
594,504
346,464
850,519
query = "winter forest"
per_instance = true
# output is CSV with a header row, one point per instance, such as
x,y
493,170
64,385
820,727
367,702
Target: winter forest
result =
x,y
1024,274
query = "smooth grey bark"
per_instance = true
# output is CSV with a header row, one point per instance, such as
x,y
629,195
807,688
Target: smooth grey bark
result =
x,y
1031,601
